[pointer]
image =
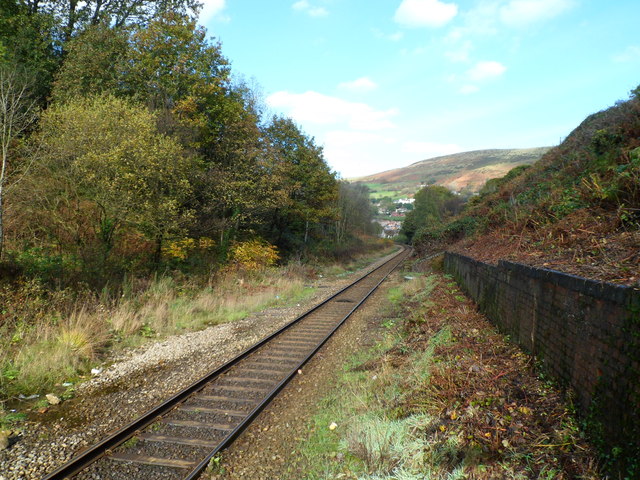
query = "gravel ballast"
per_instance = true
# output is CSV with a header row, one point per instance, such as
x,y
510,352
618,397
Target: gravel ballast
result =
x,y
139,380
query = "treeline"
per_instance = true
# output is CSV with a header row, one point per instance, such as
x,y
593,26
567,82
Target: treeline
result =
x,y
129,145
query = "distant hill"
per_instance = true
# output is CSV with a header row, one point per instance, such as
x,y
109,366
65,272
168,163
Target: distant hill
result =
x,y
467,171
576,210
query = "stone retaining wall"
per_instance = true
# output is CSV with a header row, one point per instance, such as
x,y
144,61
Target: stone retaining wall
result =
x,y
586,333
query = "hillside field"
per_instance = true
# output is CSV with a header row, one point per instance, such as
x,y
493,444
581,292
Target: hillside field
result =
x,y
463,172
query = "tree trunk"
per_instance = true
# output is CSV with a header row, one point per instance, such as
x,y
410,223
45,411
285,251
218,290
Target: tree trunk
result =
x,y
71,20
157,255
306,231
1,221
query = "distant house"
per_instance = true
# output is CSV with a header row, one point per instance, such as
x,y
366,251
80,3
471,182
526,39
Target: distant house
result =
x,y
390,228
406,201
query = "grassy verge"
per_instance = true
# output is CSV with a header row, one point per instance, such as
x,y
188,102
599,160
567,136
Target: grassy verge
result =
x,y
50,345
50,340
443,396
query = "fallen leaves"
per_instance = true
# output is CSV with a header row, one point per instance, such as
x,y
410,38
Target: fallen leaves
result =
x,y
488,394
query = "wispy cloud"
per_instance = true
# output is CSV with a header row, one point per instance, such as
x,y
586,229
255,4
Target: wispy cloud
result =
x,y
309,9
425,13
394,37
356,153
460,51
520,13
211,9
630,54
482,71
469,89
316,108
362,84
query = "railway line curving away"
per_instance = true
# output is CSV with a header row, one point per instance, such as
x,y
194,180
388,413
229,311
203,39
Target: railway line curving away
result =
x,y
178,438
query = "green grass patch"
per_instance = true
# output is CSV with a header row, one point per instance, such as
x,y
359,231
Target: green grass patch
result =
x,y
359,431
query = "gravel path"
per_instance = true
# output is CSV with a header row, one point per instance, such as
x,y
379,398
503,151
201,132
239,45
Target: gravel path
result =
x,y
138,381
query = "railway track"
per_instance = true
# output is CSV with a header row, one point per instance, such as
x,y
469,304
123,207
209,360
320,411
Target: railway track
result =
x,y
177,439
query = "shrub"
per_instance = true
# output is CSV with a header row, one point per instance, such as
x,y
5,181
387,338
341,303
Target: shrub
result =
x,y
254,255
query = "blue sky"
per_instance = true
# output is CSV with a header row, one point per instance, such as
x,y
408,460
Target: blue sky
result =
x,y
381,84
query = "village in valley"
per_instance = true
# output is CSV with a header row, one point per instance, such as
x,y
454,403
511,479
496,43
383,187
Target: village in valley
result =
x,y
390,214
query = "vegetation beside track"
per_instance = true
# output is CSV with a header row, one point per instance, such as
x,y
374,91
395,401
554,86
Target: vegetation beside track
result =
x,y
61,335
442,395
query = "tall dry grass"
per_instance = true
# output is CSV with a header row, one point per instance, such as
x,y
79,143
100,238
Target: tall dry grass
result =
x,y
45,348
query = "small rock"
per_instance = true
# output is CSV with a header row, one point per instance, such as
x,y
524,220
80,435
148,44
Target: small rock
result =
x,y
52,399
4,439
96,371
299,372
30,397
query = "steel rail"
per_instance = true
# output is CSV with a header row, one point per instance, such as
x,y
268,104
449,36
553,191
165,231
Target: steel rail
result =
x,y
98,450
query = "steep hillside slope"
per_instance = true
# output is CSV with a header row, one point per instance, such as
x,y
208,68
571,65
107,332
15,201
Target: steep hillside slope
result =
x,y
576,210
466,171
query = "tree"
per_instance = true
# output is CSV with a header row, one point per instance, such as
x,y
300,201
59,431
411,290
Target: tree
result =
x,y
433,204
171,61
73,16
356,210
94,63
97,182
17,112
308,185
28,39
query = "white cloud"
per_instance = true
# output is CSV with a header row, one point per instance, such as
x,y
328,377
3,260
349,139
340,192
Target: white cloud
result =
x,y
469,89
485,71
425,13
211,9
355,153
520,13
316,108
309,9
362,84
393,37
460,53
430,149
630,54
